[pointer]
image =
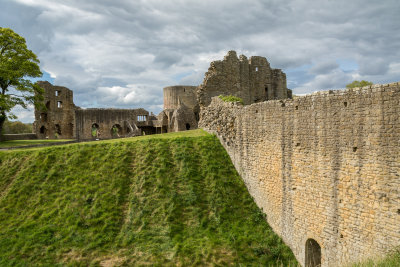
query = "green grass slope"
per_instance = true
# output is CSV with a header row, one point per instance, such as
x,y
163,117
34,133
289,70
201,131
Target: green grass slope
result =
x,y
165,200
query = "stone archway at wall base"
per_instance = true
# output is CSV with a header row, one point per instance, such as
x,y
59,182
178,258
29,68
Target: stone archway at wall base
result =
x,y
313,253
95,130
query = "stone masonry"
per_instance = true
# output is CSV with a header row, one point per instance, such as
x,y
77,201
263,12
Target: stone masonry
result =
x,y
58,119
62,119
325,168
252,80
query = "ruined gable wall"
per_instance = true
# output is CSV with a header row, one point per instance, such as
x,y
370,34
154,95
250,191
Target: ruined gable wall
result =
x,y
323,166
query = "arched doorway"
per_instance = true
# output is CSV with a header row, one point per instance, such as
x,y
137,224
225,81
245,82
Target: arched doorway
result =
x,y
313,253
95,130
116,131
43,131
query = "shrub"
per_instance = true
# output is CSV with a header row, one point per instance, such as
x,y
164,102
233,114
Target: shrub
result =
x,y
231,98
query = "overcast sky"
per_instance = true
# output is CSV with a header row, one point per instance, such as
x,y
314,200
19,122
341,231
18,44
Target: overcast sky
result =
x,y
121,53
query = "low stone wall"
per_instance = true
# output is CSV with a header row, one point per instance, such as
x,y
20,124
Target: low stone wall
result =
x,y
325,168
26,136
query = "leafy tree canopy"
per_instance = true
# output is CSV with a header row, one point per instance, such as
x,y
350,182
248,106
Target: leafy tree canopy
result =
x,y
358,84
16,127
17,65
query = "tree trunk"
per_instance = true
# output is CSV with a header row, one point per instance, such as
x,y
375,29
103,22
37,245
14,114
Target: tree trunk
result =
x,y
2,120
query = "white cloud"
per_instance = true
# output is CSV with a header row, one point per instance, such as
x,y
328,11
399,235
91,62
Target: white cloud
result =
x,y
122,53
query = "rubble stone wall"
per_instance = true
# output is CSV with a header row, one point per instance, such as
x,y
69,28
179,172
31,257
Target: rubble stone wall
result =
x,y
184,93
323,167
57,119
105,119
252,79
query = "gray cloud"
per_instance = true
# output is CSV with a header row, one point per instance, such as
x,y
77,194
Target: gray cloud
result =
x,y
122,53
323,67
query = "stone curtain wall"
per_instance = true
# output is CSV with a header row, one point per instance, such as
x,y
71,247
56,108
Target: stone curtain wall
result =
x,y
325,166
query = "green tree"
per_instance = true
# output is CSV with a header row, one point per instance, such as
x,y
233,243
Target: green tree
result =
x,y
16,127
17,65
358,84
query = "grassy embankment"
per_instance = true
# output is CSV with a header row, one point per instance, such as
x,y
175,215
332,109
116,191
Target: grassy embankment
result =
x,y
171,199
391,260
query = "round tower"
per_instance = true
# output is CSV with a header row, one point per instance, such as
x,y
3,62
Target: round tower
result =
x,y
180,93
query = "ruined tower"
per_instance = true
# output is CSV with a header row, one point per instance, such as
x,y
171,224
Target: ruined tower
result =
x,y
252,79
57,120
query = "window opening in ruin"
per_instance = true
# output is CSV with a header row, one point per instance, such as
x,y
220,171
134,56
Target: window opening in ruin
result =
x,y
116,131
59,104
43,117
256,68
297,107
196,115
187,126
141,118
95,130
398,211
57,130
48,105
354,149
184,89
313,253
57,93
345,104
42,130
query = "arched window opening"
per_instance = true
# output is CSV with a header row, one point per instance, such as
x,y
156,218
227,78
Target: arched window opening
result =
x,y
48,105
95,130
266,92
116,131
313,253
187,126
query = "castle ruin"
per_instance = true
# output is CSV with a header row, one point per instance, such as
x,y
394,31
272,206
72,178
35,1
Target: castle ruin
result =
x,y
324,167
253,80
